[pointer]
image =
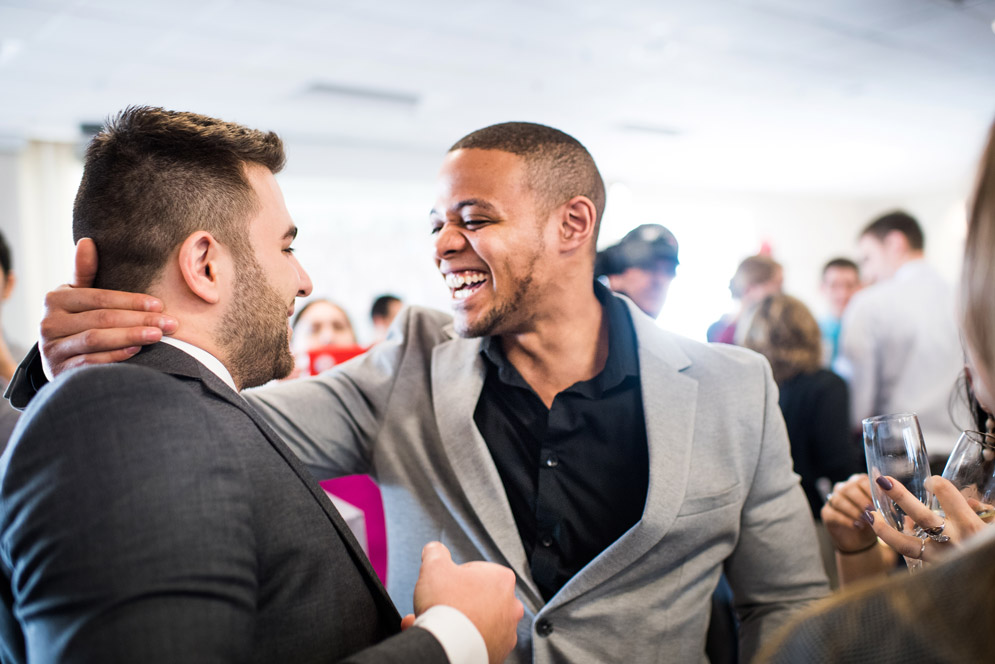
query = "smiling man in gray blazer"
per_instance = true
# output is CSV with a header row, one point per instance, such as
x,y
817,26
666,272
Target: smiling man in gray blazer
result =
x,y
147,512
548,425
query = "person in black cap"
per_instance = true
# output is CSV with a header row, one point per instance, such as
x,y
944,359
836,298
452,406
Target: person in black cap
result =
x,y
641,266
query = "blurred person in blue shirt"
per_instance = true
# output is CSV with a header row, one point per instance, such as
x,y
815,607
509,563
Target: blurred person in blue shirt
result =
x,y
840,280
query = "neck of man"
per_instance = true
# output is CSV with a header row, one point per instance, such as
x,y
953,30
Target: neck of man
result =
x,y
905,259
567,344
198,323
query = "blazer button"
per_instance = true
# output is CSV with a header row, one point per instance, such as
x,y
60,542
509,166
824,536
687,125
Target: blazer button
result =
x,y
544,627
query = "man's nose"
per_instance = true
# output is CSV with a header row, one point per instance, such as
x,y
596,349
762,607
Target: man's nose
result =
x,y
448,241
304,285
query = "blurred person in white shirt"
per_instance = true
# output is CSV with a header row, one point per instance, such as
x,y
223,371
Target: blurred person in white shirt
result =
x,y
899,346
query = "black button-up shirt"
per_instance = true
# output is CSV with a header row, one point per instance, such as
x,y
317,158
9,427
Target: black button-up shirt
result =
x,y
575,474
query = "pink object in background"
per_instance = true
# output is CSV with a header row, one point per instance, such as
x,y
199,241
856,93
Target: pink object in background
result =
x,y
362,492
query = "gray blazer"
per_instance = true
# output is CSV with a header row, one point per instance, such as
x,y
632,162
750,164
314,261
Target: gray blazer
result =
x,y
148,514
722,494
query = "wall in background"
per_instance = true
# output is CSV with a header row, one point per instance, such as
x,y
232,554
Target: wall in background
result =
x,y
37,187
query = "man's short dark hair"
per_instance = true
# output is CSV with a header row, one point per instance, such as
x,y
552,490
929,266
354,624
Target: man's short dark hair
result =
x,y
6,263
152,177
558,167
900,221
840,263
381,306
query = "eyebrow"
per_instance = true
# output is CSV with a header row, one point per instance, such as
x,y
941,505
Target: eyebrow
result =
x,y
469,202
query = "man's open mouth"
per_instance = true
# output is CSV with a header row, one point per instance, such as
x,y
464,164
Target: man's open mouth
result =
x,y
464,284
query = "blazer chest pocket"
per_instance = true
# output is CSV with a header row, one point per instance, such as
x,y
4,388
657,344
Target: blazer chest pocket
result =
x,y
700,504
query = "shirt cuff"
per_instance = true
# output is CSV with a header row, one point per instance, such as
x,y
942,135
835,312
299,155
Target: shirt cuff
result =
x,y
458,635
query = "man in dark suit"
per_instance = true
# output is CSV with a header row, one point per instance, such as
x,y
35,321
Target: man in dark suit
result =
x,y
147,513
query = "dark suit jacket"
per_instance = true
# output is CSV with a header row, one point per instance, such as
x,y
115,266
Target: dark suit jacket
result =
x,y
147,514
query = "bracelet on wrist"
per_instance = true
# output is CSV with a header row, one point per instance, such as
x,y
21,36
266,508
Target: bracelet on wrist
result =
x,y
863,550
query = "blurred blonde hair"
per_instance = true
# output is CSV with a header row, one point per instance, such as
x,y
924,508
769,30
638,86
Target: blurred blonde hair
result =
x,y
977,285
754,270
783,330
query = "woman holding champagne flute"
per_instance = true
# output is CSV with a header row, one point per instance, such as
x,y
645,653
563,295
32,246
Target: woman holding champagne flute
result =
x,y
947,612
848,511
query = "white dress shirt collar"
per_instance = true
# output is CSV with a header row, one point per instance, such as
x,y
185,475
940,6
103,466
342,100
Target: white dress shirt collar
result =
x,y
205,358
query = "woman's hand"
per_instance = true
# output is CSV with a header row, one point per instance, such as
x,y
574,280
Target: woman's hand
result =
x,y
960,523
842,515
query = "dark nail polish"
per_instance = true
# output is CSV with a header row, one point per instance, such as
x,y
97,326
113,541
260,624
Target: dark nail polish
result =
x,y
869,508
858,524
869,517
884,483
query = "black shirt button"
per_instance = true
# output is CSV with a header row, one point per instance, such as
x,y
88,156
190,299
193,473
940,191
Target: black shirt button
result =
x,y
546,541
552,461
544,627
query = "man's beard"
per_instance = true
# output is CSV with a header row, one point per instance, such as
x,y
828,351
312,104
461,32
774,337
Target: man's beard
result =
x,y
253,331
504,317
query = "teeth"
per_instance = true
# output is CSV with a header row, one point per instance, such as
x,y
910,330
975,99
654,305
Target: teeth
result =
x,y
457,281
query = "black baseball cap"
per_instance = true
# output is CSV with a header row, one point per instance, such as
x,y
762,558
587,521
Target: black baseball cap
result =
x,y
642,247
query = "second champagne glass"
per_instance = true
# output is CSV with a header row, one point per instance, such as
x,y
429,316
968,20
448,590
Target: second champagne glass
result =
x,y
971,468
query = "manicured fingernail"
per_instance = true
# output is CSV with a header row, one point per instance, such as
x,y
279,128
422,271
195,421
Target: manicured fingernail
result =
x,y
869,517
869,508
858,524
884,483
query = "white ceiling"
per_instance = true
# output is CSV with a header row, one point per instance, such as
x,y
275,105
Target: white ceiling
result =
x,y
847,97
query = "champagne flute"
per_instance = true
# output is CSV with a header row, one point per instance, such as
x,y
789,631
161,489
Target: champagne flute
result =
x,y
971,468
893,446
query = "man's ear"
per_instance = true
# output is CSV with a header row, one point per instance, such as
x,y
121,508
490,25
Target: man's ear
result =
x,y
577,223
8,287
204,264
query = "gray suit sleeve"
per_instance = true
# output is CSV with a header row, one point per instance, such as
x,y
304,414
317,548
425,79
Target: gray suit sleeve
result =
x,y
331,421
127,533
776,568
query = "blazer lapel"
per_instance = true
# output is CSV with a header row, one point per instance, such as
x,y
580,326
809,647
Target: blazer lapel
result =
x,y
457,380
173,361
669,404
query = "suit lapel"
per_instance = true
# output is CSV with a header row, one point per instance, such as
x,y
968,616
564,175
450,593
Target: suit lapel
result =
x,y
457,380
669,404
173,361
